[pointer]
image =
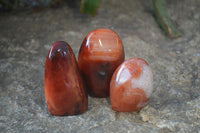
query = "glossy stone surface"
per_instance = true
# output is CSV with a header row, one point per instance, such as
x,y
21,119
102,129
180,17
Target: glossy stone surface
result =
x,y
65,92
131,85
101,53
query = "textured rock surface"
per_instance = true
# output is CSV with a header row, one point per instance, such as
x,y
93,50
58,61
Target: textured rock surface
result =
x,y
26,38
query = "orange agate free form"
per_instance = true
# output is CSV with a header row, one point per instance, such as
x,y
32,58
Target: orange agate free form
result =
x,y
101,53
131,85
65,91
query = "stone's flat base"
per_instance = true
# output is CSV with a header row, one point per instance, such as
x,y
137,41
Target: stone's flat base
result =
x,y
25,40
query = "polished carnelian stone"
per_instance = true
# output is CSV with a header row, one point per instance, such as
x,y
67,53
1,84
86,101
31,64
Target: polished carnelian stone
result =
x,y
131,85
101,53
65,91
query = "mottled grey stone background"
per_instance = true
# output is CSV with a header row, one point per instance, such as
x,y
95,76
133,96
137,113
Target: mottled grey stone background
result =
x,y
25,39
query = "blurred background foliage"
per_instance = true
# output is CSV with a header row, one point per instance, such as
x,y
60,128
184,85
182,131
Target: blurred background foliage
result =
x,y
90,7
87,6
7,5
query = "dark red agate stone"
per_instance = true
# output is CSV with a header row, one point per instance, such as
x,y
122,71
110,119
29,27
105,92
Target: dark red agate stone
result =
x,y
101,53
65,91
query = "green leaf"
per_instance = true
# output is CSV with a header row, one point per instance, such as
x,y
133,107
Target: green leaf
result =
x,y
89,6
163,19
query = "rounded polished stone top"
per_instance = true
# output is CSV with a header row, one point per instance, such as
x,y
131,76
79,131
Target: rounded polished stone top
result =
x,y
102,44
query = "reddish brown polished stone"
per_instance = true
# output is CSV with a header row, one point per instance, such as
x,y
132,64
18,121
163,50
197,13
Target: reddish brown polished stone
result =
x,y
131,85
65,92
101,53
